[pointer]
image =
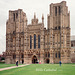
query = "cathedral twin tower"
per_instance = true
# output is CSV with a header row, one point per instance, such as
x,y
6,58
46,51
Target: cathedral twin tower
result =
x,y
33,43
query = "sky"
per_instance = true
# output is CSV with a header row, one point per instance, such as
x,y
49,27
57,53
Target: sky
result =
x,y
30,7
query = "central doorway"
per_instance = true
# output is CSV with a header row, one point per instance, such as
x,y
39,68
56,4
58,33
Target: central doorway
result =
x,y
47,61
34,59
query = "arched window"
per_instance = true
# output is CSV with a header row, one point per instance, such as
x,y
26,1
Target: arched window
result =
x,y
38,41
55,28
34,41
55,11
59,27
56,55
45,54
22,56
14,56
14,16
30,42
71,45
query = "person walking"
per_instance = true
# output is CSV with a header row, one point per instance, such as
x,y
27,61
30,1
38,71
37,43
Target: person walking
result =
x,y
60,63
17,63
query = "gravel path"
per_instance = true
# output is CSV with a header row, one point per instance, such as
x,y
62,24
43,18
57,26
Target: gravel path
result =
x,y
12,67
73,65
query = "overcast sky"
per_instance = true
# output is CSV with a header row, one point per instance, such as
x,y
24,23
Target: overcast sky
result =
x,y
29,7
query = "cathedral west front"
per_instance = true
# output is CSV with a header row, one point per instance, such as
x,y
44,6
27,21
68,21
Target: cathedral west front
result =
x,y
29,43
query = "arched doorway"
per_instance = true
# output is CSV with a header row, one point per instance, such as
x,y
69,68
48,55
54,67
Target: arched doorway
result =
x,y
34,59
47,61
22,61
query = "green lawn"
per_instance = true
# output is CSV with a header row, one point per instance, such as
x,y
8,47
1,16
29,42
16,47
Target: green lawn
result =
x,y
6,65
42,69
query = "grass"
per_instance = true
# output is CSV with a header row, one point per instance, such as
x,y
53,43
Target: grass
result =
x,y
42,69
6,65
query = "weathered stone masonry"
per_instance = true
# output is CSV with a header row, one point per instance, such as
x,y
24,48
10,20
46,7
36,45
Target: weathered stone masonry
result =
x,y
31,43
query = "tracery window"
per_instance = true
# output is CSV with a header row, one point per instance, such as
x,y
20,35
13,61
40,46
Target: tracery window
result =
x,y
34,41
38,41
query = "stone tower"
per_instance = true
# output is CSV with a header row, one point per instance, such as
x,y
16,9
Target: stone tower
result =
x,y
15,27
59,29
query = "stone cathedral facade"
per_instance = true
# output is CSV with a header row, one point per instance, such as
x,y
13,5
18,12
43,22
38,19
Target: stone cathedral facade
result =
x,y
29,43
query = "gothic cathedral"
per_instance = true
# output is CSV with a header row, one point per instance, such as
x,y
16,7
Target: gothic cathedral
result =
x,y
32,43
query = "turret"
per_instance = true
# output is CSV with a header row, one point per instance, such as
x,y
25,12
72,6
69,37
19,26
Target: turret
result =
x,y
35,20
42,18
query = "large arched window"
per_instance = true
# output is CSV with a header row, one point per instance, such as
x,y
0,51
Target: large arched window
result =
x,y
30,42
38,41
34,41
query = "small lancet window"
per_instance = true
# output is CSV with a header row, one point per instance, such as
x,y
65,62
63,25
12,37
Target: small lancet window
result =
x,y
55,28
48,54
45,54
14,16
55,11
59,27
56,55
22,56
59,54
14,56
59,10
